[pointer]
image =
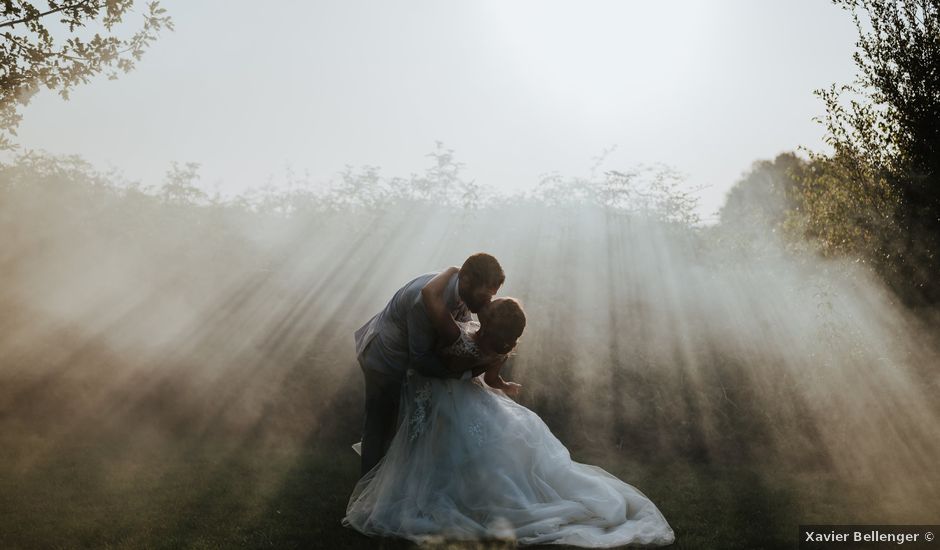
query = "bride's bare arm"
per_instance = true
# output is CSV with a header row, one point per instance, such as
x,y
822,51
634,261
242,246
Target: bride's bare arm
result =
x,y
494,380
433,297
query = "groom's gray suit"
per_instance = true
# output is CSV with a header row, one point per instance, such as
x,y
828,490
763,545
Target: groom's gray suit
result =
x,y
399,337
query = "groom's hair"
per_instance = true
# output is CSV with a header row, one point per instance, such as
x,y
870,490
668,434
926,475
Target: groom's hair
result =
x,y
483,269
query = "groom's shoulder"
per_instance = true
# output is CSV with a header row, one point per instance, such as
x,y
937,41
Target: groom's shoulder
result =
x,y
422,279
412,288
411,292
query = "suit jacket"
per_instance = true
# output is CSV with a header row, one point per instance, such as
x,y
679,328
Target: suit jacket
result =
x,y
401,336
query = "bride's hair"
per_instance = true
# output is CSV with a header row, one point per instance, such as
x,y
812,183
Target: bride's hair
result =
x,y
504,320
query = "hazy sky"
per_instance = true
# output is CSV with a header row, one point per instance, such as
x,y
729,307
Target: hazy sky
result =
x,y
517,89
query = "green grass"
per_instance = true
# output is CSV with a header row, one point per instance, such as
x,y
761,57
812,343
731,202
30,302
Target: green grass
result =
x,y
137,493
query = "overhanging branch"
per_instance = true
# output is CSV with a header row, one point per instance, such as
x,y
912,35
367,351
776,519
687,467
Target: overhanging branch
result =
x,y
45,13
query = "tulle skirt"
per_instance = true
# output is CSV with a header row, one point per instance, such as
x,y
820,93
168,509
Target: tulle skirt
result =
x,y
469,463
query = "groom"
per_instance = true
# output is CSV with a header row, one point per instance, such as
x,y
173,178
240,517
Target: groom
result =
x,y
401,337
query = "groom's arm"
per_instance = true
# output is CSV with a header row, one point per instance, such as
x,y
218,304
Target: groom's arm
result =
x,y
421,337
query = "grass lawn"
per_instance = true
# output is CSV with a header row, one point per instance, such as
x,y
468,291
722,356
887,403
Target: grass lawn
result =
x,y
131,492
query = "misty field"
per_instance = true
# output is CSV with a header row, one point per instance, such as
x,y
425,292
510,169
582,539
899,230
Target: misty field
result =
x,y
177,371
114,488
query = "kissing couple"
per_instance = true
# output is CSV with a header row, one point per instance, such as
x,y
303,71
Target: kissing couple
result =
x,y
447,454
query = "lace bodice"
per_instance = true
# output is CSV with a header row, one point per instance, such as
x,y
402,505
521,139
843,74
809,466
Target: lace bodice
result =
x,y
464,346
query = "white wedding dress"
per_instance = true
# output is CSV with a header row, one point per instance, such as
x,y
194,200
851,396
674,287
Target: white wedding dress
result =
x,y
469,463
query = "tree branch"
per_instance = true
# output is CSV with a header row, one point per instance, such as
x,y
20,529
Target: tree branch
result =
x,y
54,10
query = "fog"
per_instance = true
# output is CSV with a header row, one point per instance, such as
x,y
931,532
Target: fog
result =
x,y
518,89
153,322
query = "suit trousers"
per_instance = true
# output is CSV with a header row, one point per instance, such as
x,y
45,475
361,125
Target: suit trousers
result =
x,y
383,393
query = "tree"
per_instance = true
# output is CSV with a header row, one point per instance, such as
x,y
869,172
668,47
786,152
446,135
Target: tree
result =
x,y
881,185
760,199
898,128
843,213
32,54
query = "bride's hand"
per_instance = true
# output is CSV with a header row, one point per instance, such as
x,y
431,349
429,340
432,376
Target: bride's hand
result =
x,y
512,389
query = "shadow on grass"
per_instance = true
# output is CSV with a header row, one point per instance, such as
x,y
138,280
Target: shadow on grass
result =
x,y
707,506
129,493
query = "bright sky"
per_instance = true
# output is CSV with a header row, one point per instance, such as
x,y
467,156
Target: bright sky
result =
x,y
516,88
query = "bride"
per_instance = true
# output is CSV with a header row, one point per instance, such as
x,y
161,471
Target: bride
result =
x,y
469,463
